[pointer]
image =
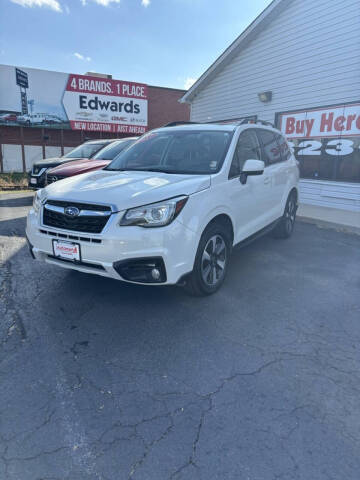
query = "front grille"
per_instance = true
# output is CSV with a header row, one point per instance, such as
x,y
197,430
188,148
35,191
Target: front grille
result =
x,y
70,237
80,206
87,223
54,178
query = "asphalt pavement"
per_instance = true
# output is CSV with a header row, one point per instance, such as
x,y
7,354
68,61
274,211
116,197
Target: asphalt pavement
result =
x,y
105,380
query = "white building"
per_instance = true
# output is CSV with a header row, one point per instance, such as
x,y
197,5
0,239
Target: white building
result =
x,y
304,57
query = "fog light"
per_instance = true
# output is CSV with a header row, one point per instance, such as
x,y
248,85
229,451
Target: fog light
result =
x,y
142,270
155,273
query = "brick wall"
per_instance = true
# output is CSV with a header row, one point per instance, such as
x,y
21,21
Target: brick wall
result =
x,y
164,106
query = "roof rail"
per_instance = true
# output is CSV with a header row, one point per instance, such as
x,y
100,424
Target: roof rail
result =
x,y
179,122
262,122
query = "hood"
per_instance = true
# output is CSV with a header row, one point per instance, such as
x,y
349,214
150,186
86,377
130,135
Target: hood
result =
x,y
53,162
78,166
126,189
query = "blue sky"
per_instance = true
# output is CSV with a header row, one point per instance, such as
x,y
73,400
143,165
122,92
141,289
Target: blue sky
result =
x,y
159,42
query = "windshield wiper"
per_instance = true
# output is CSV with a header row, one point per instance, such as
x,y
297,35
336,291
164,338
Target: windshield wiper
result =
x,y
154,169
115,169
160,170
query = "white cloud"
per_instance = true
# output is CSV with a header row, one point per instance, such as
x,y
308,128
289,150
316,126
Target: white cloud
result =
x,y
189,82
52,4
104,3
82,57
145,3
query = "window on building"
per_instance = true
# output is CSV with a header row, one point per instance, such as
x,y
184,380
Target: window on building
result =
x,y
335,159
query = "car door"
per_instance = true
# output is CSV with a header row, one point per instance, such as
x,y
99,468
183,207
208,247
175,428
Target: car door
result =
x,y
276,154
249,201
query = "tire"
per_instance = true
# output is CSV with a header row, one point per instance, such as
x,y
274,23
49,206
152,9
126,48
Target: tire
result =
x,y
285,226
210,266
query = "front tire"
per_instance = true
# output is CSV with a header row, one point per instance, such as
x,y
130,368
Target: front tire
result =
x,y
285,227
211,261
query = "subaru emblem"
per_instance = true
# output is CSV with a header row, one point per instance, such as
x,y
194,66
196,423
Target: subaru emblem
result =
x,y
72,211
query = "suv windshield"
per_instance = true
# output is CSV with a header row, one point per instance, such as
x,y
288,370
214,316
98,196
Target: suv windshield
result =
x,y
194,152
110,152
86,150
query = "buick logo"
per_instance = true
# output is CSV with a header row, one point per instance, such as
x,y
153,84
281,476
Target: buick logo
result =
x,y
72,211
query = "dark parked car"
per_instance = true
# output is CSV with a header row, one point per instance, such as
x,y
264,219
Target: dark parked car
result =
x,y
37,175
102,158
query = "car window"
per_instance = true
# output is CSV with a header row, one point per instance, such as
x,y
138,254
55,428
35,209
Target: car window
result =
x,y
176,151
284,148
270,146
247,148
86,150
110,152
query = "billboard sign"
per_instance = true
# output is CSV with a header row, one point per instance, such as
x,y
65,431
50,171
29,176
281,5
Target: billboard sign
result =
x,y
325,141
77,102
21,78
109,105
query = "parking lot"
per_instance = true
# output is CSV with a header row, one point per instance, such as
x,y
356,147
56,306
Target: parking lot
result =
x,y
105,380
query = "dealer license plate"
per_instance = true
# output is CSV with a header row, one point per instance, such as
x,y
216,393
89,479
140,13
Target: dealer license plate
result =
x,y
66,250
33,181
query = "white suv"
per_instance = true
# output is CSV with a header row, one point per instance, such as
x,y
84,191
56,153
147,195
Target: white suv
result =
x,y
170,208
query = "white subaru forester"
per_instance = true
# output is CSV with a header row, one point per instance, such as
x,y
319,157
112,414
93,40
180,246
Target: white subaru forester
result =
x,y
170,208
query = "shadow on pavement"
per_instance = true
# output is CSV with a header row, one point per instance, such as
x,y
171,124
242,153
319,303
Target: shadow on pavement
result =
x,y
23,201
16,226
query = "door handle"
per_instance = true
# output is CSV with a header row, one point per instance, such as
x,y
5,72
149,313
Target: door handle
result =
x,y
266,180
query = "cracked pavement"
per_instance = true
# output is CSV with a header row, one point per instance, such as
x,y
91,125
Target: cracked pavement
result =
x,y
108,381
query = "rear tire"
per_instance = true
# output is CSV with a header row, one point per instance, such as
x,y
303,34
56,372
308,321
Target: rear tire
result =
x,y
211,261
285,226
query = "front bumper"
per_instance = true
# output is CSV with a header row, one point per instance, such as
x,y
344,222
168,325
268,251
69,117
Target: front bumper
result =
x,y
37,181
101,253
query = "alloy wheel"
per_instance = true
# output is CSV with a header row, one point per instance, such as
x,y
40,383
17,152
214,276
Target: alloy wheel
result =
x,y
213,261
290,213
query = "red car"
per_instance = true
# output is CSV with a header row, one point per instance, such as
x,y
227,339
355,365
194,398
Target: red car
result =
x,y
97,162
8,117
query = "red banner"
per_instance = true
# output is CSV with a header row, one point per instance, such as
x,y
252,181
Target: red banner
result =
x,y
107,127
104,86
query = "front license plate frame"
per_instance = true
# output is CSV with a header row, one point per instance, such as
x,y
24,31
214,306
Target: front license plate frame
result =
x,y
65,250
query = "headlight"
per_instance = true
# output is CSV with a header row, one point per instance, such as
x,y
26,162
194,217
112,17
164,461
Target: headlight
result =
x,y
155,214
39,198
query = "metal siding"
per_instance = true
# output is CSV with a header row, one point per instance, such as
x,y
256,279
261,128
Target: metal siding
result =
x,y
345,196
308,56
309,44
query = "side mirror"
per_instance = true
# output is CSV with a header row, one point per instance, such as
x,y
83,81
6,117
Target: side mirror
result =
x,y
251,167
